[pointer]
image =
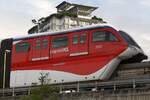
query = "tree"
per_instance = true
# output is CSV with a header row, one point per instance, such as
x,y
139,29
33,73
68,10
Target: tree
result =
x,y
44,92
44,78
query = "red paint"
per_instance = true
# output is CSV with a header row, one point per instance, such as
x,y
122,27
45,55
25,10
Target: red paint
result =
x,y
99,54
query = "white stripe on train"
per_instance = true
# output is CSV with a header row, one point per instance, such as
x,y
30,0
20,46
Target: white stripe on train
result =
x,y
29,77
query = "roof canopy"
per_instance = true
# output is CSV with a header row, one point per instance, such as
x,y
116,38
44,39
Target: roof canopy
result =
x,y
66,6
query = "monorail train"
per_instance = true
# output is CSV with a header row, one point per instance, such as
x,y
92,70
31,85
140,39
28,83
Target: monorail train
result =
x,y
80,54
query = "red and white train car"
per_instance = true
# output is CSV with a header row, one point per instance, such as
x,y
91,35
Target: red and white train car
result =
x,y
81,54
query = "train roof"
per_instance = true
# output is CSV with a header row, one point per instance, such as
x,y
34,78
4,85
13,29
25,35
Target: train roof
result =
x,y
63,32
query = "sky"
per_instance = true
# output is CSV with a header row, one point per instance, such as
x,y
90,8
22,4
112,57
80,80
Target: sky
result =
x,y
132,16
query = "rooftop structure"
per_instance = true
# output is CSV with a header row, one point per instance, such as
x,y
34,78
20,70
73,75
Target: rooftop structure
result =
x,y
76,9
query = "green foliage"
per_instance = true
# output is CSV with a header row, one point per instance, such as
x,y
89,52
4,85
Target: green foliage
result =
x,y
25,98
44,91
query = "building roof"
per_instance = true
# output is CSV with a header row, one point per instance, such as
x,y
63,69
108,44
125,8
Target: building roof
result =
x,y
63,3
66,5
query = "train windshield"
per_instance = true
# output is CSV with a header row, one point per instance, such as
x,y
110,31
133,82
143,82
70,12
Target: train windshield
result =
x,y
128,38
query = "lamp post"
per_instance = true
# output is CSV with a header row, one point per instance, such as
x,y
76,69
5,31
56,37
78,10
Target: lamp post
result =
x,y
38,22
4,71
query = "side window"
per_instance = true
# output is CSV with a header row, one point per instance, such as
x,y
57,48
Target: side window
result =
x,y
83,38
45,43
60,42
100,36
75,39
22,47
110,37
38,44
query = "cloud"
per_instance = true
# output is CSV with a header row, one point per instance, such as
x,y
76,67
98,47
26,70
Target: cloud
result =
x,y
43,7
145,3
16,15
131,16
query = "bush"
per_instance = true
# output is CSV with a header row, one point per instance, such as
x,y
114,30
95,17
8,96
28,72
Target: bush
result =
x,y
44,91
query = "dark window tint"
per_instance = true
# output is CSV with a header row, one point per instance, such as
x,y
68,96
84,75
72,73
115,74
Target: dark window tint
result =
x,y
45,43
60,42
100,36
83,38
111,37
75,39
38,44
128,38
22,47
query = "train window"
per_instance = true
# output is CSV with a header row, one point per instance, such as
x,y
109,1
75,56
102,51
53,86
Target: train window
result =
x,y
38,44
45,43
100,36
60,42
75,39
111,37
83,38
22,47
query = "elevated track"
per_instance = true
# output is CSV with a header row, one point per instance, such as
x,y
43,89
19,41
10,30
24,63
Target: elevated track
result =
x,y
126,76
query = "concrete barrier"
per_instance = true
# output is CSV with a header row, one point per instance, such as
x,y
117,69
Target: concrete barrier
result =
x,y
135,94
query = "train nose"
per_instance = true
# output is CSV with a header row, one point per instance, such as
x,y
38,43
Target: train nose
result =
x,y
129,53
140,53
133,54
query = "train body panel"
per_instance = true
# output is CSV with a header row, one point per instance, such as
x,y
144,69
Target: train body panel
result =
x,y
81,54
104,69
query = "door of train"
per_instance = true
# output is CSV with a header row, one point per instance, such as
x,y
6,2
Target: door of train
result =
x,y
79,43
59,46
40,49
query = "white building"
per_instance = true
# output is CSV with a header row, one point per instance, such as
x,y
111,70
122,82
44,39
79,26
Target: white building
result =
x,y
68,16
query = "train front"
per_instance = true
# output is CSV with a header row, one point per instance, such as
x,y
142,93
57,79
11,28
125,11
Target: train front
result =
x,y
131,54
135,52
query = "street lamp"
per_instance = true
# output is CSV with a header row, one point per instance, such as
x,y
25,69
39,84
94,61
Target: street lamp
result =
x,y
4,73
38,22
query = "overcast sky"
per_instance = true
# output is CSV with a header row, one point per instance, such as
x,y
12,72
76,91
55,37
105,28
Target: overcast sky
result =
x,y
133,16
